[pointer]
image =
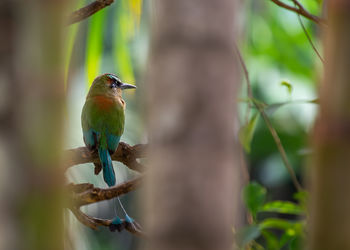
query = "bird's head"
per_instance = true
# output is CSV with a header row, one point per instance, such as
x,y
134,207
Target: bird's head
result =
x,y
108,84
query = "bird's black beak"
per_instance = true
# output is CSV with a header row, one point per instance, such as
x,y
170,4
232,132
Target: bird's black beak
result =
x,y
127,86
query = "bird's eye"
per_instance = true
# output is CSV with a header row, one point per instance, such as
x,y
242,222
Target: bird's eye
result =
x,y
113,85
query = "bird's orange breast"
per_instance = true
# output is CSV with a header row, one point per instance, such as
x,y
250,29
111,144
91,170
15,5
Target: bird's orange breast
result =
x,y
103,102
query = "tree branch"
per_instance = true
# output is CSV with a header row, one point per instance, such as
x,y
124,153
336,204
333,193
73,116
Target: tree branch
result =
x,y
85,193
125,154
309,39
301,11
88,10
93,222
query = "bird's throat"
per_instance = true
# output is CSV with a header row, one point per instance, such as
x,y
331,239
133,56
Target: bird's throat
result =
x,y
106,103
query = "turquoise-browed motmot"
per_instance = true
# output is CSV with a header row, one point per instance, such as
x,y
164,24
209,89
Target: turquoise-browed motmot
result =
x,y
102,121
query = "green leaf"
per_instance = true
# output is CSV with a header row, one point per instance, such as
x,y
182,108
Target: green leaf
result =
x,y
247,234
302,197
254,196
136,9
286,238
297,243
246,132
271,240
284,207
282,224
292,237
94,46
288,86
275,223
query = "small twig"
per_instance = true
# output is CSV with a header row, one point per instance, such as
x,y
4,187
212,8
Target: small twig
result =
x,y
249,87
88,10
300,10
309,38
85,194
125,154
94,223
279,146
270,127
243,164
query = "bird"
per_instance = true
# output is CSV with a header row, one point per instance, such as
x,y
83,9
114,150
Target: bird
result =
x,y
102,121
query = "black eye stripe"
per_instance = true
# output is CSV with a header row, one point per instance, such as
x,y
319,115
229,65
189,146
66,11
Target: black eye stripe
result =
x,y
114,81
115,84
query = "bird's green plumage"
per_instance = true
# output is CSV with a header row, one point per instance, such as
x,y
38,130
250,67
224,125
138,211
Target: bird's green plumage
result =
x,y
103,120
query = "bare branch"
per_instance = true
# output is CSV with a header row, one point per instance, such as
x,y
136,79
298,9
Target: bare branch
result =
x,y
85,194
125,154
94,223
309,39
88,10
300,10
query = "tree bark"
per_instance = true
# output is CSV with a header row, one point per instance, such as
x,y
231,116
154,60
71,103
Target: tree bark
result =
x,y
330,204
31,122
192,84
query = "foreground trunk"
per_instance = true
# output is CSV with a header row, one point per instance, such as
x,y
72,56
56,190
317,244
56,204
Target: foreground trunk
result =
x,y
192,85
31,100
330,217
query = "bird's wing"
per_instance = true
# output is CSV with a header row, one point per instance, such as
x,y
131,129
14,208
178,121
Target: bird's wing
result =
x,y
90,138
114,126
102,125
112,142
89,134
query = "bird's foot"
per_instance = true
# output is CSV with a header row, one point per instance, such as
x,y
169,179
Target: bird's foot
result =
x,y
128,223
117,224
98,168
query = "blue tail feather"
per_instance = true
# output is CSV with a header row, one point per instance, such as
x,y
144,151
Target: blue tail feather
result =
x,y
107,167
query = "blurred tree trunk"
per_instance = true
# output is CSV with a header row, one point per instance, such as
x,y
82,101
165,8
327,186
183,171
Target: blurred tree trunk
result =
x,y
31,105
330,179
192,86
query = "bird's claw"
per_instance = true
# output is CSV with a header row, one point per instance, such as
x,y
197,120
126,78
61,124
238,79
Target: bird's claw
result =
x,y
117,224
98,168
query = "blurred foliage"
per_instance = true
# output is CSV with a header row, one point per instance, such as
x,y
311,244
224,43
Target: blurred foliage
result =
x,y
283,70
246,132
94,45
270,231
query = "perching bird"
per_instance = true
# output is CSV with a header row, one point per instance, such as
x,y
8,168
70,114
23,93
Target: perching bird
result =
x,y
102,121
